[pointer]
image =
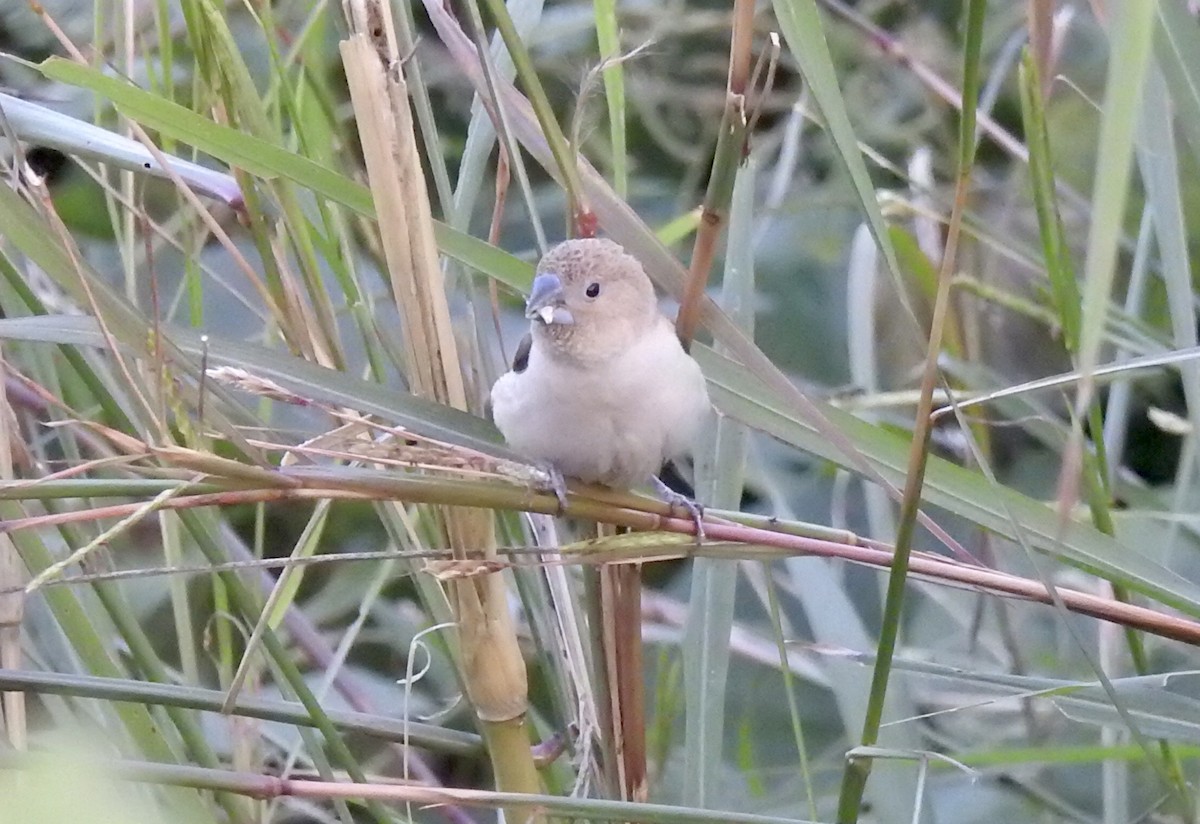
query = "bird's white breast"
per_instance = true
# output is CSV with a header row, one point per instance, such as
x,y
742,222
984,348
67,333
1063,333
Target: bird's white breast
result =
x,y
613,422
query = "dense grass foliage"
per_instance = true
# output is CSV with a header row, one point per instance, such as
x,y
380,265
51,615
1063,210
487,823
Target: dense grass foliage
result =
x,y
261,262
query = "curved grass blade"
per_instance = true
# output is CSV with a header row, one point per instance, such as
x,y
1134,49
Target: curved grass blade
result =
x,y
73,136
295,374
267,160
122,690
949,486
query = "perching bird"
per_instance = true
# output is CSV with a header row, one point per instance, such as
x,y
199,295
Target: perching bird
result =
x,y
601,389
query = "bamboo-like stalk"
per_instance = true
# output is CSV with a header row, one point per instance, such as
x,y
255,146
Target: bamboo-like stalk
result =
x,y
730,153
580,212
491,664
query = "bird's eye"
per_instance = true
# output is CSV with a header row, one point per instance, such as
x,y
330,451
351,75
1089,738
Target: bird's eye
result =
x,y
592,290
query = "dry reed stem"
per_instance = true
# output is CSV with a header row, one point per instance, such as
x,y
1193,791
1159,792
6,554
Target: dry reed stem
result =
x,y
498,687
621,630
492,665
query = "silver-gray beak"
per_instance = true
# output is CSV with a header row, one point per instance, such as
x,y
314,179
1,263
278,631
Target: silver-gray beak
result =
x,y
546,301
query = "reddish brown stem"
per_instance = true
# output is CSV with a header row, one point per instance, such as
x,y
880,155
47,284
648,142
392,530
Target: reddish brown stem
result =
x,y
730,151
502,180
930,567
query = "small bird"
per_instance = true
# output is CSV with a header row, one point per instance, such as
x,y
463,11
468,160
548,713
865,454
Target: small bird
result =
x,y
600,389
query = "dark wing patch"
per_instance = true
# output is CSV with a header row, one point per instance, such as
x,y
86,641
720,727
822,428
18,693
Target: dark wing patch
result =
x,y
521,358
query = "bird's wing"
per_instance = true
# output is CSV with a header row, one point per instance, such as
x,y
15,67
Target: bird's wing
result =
x,y
521,357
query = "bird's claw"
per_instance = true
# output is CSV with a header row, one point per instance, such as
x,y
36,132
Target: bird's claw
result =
x,y
554,481
674,499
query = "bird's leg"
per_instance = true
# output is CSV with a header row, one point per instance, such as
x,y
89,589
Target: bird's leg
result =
x,y
675,499
554,482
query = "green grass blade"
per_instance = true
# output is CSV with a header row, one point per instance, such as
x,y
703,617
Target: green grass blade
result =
x,y
1159,165
266,160
1063,283
123,691
250,153
1130,38
949,486
295,374
719,476
609,41
805,36
1177,47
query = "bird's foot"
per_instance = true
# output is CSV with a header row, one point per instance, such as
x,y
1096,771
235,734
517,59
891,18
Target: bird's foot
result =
x,y
553,481
674,499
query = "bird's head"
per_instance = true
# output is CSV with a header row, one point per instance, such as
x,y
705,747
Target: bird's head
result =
x,y
590,300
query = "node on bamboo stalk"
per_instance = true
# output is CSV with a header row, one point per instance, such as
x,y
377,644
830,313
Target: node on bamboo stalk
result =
x,y
490,660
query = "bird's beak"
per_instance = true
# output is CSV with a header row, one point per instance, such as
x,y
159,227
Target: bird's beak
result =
x,y
546,301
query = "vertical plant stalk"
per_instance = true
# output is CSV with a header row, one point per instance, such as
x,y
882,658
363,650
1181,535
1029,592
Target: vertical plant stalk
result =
x,y
1131,39
564,157
12,572
493,670
489,99
1065,291
609,41
1083,470
624,710
309,329
719,483
1064,287
729,154
1040,15
858,770
502,180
